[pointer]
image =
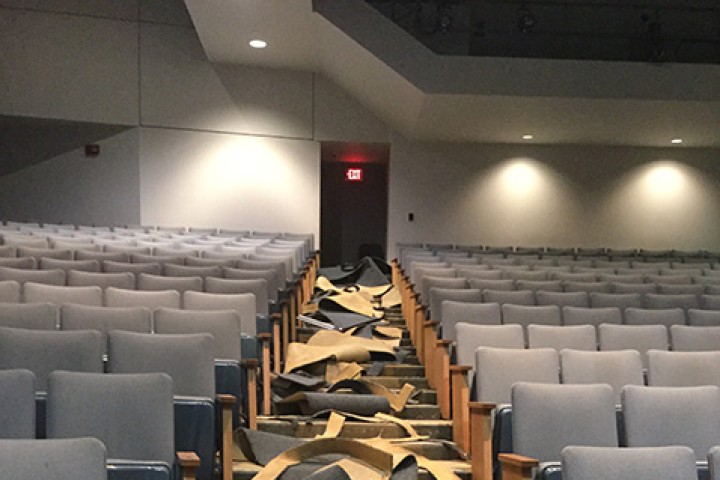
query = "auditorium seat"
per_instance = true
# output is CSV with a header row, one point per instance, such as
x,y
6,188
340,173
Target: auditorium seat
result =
x,y
9,291
270,276
43,352
526,314
578,337
489,284
258,287
591,316
517,297
66,265
685,302
118,297
38,292
539,285
703,318
597,463
683,369
76,278
617,369
643,316
497,369
147,281
17,407
189,361
61,459
131,414
618,300
548,418
601,287
110,266
563,299
243,303
661,416
105,319
48,277
636,337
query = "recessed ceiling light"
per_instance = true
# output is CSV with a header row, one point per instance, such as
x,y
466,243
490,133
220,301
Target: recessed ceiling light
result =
x,y
676,141
257,43
527,137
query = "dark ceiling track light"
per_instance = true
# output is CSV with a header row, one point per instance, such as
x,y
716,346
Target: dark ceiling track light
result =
x,y
526,20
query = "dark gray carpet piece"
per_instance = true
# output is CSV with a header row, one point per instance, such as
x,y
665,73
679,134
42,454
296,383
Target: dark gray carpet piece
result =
x,y
311,403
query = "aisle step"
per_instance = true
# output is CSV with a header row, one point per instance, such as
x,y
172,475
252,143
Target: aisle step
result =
x,y
295,427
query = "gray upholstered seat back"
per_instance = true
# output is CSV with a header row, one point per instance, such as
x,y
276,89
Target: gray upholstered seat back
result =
x,y
517,297
43,352
595,463
17,404
118,297
694,339
547,418
243,303
470,337
617,369
76,278
110,266
578,337
257,287
635,337
683,369
188,359
131,414
705,318
270,276
105,319
38,292
658,416
33,316
9,291
526,314
563,299
66,459
223,325
147,281
475,313
591,316
49,277
497,369
438,295
645,316
619,300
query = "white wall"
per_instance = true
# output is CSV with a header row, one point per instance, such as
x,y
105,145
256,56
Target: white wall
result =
x,y
554,195
216,145
229,181
72,188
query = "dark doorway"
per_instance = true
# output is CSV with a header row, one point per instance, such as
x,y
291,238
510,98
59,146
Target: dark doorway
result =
x,y
353,211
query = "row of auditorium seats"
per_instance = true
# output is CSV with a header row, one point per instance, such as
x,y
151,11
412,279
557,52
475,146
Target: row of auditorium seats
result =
x,y
404,248
545,418
242,303
74,312
187,359
131,417
607,337
496,314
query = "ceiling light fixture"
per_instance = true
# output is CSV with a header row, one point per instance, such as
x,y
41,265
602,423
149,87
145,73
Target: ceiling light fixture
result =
x,y
527,137
257,43
676,141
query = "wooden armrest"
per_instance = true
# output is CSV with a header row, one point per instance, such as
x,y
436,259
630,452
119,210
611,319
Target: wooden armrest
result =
x,y
431,323
226,402
225,399
251,364
189,462
264,337
461,369
480,436
517,467
442,343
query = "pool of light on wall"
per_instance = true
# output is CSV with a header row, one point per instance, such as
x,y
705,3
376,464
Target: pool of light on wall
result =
x,y
663,179
520,177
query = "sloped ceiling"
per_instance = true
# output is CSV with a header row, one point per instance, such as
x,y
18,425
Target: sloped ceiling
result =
x,y
426,96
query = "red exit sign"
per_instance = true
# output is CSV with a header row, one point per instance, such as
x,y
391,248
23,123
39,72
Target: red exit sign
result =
x,y
354,174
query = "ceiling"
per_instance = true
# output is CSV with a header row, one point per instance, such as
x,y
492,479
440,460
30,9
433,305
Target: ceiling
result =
x,y
432,97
